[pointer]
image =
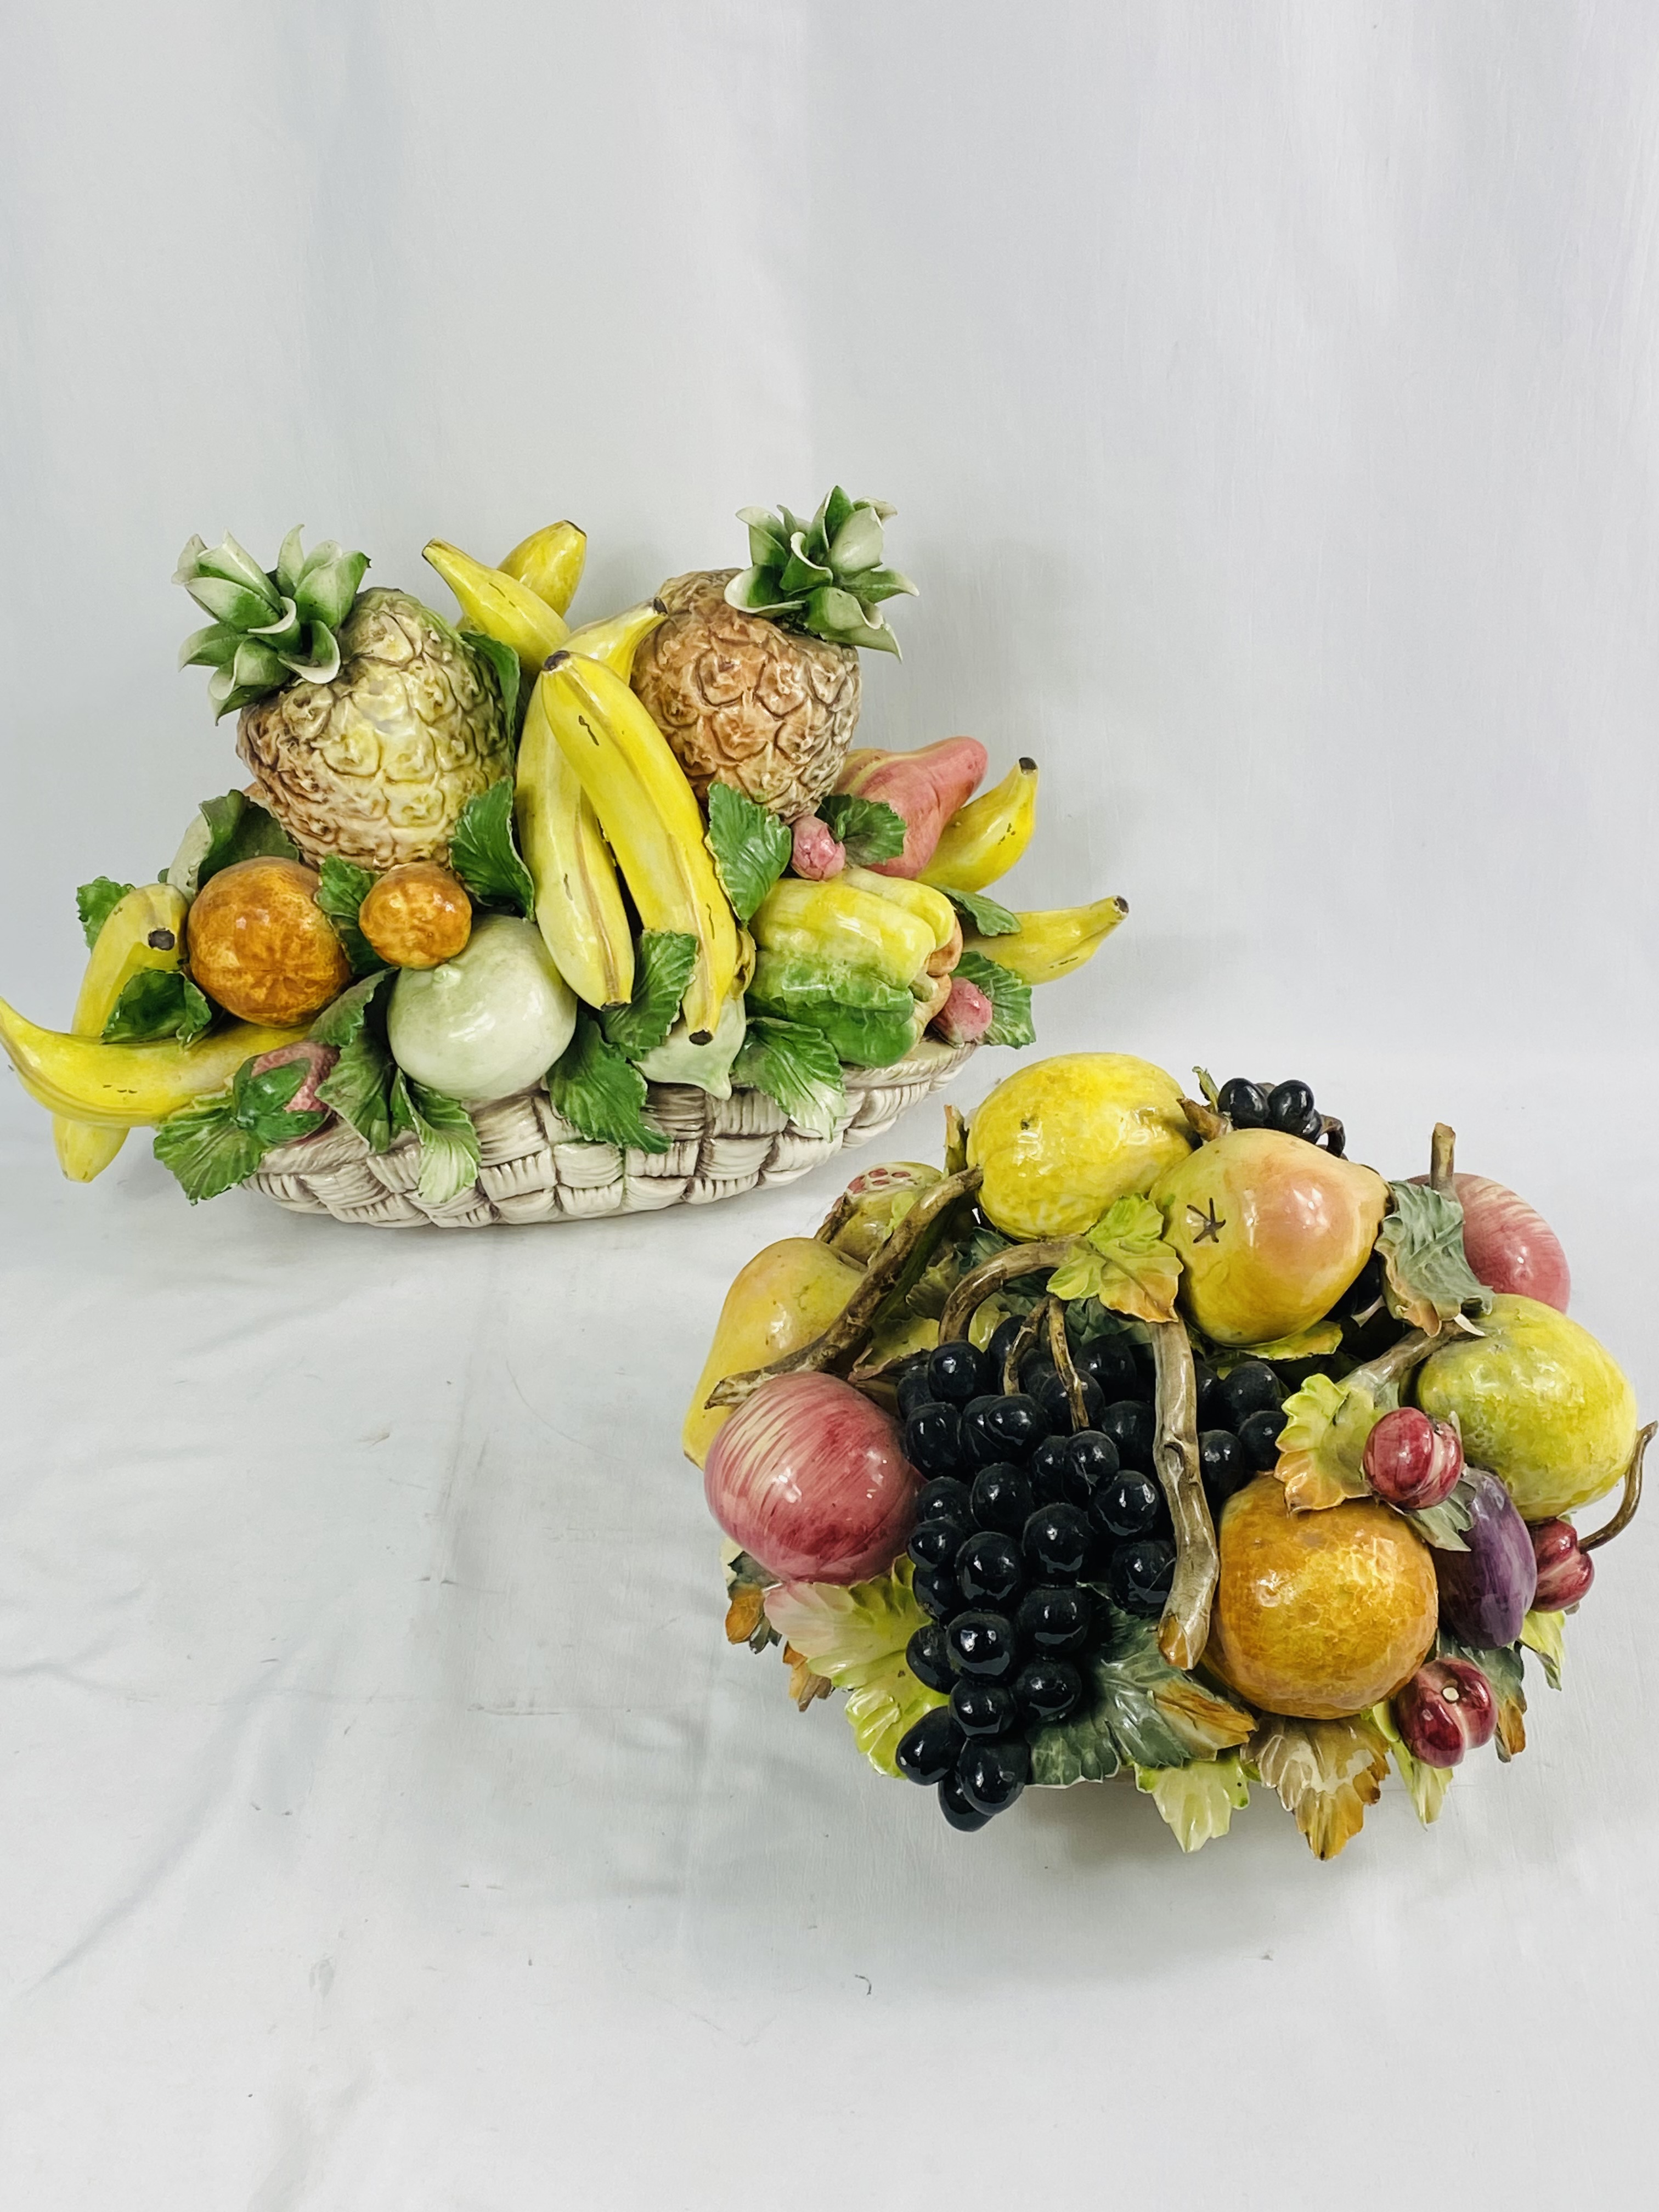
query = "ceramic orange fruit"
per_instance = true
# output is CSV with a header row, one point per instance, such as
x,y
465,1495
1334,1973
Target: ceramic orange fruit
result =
x,y
416,916
260,945
1318,1616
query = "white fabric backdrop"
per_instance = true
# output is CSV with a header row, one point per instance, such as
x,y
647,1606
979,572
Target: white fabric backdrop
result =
x,y
1269,394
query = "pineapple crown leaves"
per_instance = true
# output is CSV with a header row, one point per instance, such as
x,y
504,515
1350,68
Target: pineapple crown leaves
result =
x,y
268,624
825,575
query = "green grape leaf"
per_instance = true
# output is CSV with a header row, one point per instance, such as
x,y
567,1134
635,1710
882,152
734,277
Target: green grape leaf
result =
x,y
869,829
1326,1774
1543,1633
1124,1262
751,846
600,1093
855,1637
1427,1279
239,829
484,855
346,1016
217,1142
505,662
1425,1785
340,892
662,969
1137,1710
1197,1801
795,1066
155,1003
1503,1667
448,1141
982,914
1322,1444
1443,1525
1317,1341
1009,996
95,901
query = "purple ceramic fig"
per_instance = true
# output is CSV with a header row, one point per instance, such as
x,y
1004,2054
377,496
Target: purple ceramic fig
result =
x,y
1486,1592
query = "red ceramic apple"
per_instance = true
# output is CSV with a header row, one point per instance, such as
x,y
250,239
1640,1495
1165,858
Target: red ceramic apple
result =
x,y
811,1479
1509,1243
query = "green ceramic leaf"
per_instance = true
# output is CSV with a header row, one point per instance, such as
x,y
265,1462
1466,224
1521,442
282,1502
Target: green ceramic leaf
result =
x,y
869,829
602,1094
449,1142
662,969
1427,1278
1009,996
340,893
483,853
95,901
156,1003
982,914
1197,1801
751,846
796,1065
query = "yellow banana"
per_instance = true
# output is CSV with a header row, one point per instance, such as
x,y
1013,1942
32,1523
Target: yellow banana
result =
x,y
550,561
835,921
579,901
929,906
501,607
145,929
1051,945
619,637
650,815
982,840
127,1086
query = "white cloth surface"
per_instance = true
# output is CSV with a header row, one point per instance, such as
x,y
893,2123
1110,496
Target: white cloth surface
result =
x,y
1267,392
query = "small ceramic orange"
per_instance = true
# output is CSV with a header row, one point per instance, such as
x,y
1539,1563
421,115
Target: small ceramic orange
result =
x,y
1319,1614
262,947
417,916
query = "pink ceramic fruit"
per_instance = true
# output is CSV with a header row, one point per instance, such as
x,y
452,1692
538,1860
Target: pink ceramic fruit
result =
x,y
1564,1573
809,1478
966,1014
1486,1590
1411,1462
924,789
1446,1709
1509,1244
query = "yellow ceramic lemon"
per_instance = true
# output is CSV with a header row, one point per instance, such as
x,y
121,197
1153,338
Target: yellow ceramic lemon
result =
x,y
1318,1615
787,1295
1066,1137
1540,1403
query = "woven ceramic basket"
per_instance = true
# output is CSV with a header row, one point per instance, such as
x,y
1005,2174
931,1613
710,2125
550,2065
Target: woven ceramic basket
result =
x,y
536,1168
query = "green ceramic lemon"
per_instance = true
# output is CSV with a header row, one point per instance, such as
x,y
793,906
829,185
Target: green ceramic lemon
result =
x,y
1539,1403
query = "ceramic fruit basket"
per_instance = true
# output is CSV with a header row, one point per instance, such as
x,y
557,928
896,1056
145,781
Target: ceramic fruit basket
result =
x,y
1154,1438
519,922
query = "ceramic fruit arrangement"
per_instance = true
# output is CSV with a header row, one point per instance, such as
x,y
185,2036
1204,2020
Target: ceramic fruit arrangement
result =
x,y
1154,1437
478,859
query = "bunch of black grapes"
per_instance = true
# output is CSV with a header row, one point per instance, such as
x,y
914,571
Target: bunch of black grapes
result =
x,y
1025,1526
1288,1106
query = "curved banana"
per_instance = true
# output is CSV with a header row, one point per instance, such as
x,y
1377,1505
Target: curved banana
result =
x,y
579,901
650,815
1051,945
500,605
982,840
550,561
127,1086
832,921
145,929
619,637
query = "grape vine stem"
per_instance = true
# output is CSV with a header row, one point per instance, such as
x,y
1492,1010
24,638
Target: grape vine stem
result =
x,y
1631,1498
847,1334
1184,1629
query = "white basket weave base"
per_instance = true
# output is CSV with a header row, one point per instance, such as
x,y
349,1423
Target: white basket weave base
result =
x,y
536,1168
